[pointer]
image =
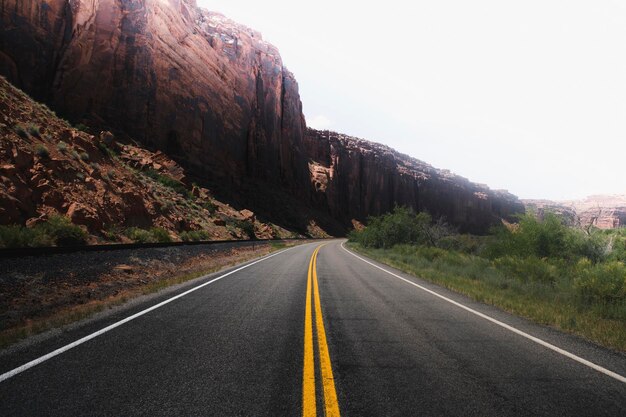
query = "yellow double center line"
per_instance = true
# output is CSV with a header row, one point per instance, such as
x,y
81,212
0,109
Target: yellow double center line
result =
x,y
331,406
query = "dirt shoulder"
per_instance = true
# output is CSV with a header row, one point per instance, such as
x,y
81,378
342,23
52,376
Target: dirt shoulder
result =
x,y
41,293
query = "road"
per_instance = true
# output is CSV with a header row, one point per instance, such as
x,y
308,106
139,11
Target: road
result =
x,y
311,331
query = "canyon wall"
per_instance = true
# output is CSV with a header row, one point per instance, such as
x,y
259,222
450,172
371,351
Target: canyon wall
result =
x,y
204,89
217,98
356,178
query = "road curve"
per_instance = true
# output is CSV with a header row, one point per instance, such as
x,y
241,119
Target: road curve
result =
x,y
379,345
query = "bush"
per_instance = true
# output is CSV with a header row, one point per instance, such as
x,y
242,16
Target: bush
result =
x,y
167,181
106,150
210,206
84,156
34,130
153,235
21,132
401,226
62,146
17,236
246,227
530,269
194,235
63,231
82,127
602,283
41,151
547,238
58,230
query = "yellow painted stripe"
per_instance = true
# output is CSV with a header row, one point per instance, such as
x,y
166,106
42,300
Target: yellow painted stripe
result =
x,y
331,406
308,373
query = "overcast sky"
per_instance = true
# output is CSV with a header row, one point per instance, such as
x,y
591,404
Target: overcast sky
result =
x,y
528,96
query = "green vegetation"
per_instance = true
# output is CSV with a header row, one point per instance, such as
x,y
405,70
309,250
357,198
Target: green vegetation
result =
x,y
34,130
540,269
62,146
42,151
246,227
56,231
106,150
82,127
194,235
21,131
153,235
210,206
84,156
168,181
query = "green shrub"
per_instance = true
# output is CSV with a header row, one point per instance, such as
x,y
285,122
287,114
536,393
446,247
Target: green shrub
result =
x,y
34,130
547,238
21,131
160,235
402,225
84,156
62,146
153,235
64,232
194,235
210,206
106,150
17,236
246,227
138,235
42,151
75,155
530,269
167,181
82,127
57,230
601,283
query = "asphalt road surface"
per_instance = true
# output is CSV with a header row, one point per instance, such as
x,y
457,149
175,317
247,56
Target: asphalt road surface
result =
x,y
312,331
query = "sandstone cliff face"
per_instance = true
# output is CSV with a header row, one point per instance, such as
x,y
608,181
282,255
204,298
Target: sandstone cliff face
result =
x,y
357,178
190,82
214,96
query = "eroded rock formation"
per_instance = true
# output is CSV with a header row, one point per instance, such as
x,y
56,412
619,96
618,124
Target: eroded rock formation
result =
x,y
601,211
356,178
217,98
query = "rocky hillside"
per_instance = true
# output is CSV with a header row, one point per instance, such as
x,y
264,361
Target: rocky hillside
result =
x,y
215,97
601,211
115,191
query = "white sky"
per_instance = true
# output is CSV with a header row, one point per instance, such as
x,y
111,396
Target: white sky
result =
x,y
528,96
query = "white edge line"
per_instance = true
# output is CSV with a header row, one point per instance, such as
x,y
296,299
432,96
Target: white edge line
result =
x,y
501,324
82,340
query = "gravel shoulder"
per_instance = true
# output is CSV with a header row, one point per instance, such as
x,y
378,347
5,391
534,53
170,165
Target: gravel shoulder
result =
x,y
44,292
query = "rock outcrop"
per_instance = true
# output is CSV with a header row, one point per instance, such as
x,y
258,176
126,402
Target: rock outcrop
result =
x,y
356,178
601,211
214,96
47,167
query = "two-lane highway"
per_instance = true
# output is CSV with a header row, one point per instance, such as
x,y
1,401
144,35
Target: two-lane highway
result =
x,y
312,330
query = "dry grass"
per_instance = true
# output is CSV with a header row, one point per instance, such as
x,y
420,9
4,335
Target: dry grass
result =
x,y
554,304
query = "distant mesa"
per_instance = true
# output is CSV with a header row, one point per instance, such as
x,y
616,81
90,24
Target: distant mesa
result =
x,y
601,211
215,97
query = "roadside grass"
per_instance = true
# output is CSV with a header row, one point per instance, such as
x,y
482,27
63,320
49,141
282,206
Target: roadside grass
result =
x,y
576,297
74,313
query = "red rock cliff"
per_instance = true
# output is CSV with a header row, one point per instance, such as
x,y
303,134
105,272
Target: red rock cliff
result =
x,y
356,178
217,98
176,77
